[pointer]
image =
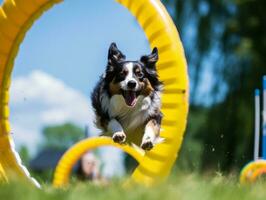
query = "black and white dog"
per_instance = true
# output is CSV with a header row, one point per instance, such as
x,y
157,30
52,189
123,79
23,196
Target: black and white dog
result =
x,y
127,99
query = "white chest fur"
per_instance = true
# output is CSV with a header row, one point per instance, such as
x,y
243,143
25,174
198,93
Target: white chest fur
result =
x,y
130,117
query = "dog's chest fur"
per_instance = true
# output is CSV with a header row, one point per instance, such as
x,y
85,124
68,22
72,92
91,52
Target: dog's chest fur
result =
x,y
131,118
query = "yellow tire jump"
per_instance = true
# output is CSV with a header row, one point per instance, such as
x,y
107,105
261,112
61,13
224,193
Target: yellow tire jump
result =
x,y
16,18
252,171
72,156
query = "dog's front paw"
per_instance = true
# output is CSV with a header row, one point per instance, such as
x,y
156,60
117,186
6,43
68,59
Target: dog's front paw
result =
x,y
119,137
147,144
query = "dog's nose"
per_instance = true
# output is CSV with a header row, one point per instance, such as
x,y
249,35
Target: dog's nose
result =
x,y
131,84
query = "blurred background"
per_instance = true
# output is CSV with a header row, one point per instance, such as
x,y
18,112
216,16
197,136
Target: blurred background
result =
x,y
65,52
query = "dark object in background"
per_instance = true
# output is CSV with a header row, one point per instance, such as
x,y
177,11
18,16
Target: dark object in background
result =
x,y
45,162
130,164
46,159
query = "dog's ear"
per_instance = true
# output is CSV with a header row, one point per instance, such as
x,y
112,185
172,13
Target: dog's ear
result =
x,y
150,60
115,55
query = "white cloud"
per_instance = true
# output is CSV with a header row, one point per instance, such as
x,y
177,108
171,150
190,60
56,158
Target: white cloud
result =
x,y
39,99
50,98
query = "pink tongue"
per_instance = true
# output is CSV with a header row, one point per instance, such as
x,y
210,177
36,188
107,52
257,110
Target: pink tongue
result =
x,y
130,98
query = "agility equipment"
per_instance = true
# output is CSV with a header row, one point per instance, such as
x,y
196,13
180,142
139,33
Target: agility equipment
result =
x,y
257,125
253,170
17,16
72,156
264,119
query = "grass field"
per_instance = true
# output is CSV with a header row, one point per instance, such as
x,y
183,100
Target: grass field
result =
x,y
180,187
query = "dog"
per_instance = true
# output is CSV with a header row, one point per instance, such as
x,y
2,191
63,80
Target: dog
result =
x,y
127,99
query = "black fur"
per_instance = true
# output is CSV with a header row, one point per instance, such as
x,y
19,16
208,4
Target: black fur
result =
x,y
102,115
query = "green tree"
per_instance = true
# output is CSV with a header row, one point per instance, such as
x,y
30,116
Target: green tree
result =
x,y
62,136
24,155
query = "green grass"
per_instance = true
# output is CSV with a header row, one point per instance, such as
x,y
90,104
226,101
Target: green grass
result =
x,y
180,187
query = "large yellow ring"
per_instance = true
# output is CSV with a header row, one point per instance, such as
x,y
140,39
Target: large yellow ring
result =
x,y
17,16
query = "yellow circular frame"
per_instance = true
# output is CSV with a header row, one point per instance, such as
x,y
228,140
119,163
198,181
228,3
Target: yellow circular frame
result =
x,y
252,171
17,16
71,157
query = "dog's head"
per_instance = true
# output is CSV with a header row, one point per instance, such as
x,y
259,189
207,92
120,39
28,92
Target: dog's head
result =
x,y
131,78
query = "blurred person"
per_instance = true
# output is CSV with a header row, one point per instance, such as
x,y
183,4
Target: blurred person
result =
x,y
89,168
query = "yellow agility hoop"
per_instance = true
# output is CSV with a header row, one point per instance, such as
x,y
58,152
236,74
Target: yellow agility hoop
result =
x,y
252,171
71,157
17,16
257,174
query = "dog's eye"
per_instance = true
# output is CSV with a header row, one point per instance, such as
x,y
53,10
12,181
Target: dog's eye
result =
x,y
139,74
123,73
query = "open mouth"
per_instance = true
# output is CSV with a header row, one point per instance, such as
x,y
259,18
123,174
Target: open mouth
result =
x,y
130,97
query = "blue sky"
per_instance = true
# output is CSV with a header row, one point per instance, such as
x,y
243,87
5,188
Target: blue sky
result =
x,y
71,41
59,63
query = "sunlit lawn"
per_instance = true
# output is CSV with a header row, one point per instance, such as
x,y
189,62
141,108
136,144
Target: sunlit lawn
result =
x,y
189,186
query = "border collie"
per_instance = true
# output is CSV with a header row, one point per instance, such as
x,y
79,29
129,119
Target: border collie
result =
x,y
127,99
